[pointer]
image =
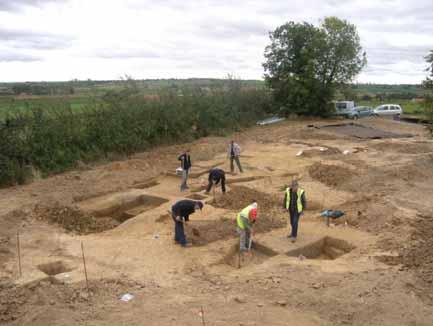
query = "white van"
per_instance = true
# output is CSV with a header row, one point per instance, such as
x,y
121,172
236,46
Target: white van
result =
x,y
388,110
344,108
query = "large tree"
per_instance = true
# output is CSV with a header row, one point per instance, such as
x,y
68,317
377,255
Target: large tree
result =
x,y
428,83
305,63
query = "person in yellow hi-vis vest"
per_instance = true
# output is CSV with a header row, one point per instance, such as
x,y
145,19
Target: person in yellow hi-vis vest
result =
x,y
294,203
245,221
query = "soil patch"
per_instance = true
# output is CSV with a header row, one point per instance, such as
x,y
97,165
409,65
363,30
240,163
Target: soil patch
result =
x,y
407,148
330,175
326,249
10,224
419,255
327,151
23,304
240,196
362,132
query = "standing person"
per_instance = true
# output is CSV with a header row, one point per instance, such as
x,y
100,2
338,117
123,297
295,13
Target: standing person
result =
x,y
180,213
294,203
215,177
234,154
185,161
245,221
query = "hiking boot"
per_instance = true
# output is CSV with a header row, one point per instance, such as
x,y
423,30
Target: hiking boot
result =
x,y
293,239
187,245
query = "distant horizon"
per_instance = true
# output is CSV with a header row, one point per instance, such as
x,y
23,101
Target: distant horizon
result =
x,y
189,78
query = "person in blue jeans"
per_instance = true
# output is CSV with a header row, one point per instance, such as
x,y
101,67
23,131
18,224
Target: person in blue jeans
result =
x,y
294,203
180,213
185,162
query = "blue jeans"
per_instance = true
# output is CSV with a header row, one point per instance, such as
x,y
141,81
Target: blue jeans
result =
x,y
294,221
183,185
179,233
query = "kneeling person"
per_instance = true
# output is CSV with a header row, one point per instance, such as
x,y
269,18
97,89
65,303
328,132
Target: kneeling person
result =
x,y
245,221
215,177
180,213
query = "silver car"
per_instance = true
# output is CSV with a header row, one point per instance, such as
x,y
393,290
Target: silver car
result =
x,y
388,110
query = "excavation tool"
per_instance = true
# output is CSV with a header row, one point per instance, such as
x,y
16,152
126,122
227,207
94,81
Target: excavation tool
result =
x,y
251,241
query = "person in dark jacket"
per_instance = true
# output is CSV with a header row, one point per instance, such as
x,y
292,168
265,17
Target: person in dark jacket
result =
x,y
180,213
215,177
294,203
185,163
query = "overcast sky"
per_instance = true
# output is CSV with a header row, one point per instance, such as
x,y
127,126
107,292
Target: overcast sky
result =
x,y
106,39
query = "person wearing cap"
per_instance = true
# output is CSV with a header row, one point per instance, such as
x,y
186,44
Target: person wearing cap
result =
x,y
245,221
294,203
215,177
180,212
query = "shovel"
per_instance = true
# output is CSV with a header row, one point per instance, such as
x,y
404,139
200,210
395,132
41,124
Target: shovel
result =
x,y
251,241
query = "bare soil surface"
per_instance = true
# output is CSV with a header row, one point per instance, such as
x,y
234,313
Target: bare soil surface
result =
x,y
373,266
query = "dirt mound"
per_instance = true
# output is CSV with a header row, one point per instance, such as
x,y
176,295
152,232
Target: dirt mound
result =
x,y
330,175
417,169
10,224
36,302
369,213
419,255
239,197
74,220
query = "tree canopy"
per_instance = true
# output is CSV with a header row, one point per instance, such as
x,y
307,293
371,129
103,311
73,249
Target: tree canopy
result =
x,y
428,83
305,63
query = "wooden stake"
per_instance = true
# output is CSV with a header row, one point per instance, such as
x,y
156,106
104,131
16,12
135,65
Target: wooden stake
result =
x,y
239,259
19,253
85,269
202,316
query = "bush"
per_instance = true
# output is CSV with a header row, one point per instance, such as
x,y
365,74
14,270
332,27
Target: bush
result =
x,y
53,141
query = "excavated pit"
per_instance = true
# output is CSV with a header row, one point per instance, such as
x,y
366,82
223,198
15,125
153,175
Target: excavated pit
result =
x,y
146,184
231,181
256,256
325,249
197,197
143,204
55,268
121,206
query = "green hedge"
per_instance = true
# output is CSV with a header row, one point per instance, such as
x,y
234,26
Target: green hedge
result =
x,y
53,141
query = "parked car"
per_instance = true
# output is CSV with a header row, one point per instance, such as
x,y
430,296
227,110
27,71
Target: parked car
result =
x,y
347,109
388,110
360,112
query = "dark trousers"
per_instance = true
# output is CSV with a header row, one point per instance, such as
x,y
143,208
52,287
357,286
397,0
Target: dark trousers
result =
x,y
238,163
179,233
294,221
210,185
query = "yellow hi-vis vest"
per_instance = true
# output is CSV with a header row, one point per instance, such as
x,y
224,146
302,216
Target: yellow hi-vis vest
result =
x,y
245,213
298,202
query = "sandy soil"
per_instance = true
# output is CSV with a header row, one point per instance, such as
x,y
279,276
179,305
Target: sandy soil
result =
x,y
374,266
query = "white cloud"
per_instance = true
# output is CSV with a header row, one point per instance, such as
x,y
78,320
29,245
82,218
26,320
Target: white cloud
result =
x,y
104,39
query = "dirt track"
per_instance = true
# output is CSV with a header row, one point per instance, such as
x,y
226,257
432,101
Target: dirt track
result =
x,y
372,267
